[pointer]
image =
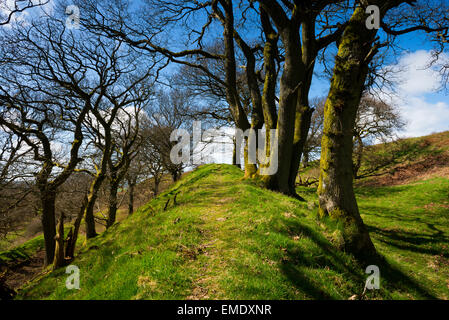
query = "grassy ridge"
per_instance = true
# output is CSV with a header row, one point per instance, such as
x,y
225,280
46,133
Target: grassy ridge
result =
x,y
229,239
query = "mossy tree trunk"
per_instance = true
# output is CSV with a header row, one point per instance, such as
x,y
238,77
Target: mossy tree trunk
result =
x,y
303,115
270,54
257,116
335,190
303,119
301,49
310,45
100,175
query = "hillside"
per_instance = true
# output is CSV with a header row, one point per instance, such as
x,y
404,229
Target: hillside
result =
x,y
227,238
400,162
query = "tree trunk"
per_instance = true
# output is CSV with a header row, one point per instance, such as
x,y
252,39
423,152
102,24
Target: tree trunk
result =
x,y
302,125
48,198
304,113
232,96
335,190
59,259
358,157
112,213
71,239
305,160
269,93
131,185
257,118
234,154
89,214
289,86
175,175
250,160
157,182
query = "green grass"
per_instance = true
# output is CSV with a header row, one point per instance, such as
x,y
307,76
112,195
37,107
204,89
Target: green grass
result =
x,y
229,239
7,243
22,252
409,225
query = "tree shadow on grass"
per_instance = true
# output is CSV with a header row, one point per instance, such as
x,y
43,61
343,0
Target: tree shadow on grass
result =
x,y
411,241
393,278
380,192
325,256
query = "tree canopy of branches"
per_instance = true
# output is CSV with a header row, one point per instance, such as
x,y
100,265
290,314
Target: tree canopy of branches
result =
x,y
53,81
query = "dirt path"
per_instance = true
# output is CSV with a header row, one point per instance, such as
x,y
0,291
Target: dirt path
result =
x,y
211,259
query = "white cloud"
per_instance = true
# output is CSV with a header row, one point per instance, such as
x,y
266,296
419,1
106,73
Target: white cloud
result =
x,y
424,118
425,110
416,77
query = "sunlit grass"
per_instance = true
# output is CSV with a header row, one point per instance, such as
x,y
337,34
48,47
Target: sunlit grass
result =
x,y
229,239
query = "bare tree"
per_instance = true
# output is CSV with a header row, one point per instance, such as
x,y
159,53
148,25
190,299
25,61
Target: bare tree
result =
x,y
141,167
127,89
127,140
165,116
376,121
52,81
42,98
14,179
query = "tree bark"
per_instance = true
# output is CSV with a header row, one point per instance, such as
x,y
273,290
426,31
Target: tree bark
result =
x,y
257,117
358,157
304,113
269,92
131,186
89,212
302,125
289,85
234,154
335,190
59,259
71,241
112,212
48,198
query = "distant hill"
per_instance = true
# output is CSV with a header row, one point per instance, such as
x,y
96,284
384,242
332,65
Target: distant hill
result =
x,y
399,162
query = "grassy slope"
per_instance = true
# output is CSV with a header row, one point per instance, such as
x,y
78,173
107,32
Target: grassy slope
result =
x,y
22,252
409,224
417,156
229,239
